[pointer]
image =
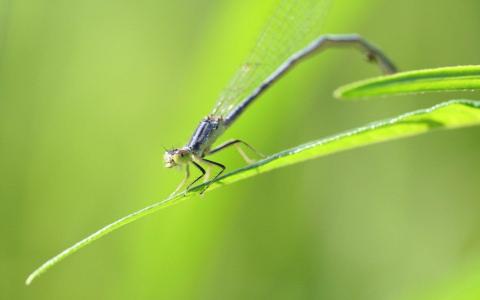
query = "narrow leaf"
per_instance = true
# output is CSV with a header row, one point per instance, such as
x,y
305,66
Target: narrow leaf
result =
x,y
430,80
448,115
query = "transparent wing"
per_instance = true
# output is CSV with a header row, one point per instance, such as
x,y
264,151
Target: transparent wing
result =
x,y
293,25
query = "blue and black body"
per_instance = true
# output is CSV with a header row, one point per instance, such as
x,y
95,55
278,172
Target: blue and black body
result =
x,y
211,127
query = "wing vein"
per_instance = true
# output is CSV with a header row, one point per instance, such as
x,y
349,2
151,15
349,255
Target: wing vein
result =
x,y
293,25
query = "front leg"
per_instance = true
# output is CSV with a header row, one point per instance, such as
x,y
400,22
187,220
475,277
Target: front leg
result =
x,y
199,177
210,162
184,180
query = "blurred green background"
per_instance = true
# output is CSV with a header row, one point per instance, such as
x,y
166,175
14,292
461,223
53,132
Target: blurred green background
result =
x,y
90,92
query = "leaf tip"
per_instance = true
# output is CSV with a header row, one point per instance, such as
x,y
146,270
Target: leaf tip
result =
x,y
346,92
338,93
29,279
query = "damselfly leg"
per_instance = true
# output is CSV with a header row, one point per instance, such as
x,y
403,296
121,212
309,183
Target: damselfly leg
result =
x,y
237,144
199,161
224,146
199,177
210,163
184,180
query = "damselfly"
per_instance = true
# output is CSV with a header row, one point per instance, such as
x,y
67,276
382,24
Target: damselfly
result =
x,y
290,36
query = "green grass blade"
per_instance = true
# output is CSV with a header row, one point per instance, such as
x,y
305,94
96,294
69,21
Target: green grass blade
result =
x,y
431,80
448,115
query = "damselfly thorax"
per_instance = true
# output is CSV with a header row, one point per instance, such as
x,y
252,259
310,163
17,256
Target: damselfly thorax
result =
x,y
207,132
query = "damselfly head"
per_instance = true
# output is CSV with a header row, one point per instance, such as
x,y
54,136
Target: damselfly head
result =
x,y
176,157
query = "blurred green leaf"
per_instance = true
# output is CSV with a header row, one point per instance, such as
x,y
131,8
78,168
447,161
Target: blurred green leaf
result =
x,y
463,284
430,80
448,115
